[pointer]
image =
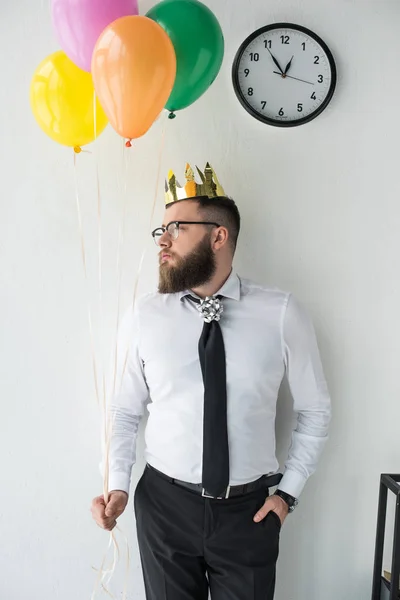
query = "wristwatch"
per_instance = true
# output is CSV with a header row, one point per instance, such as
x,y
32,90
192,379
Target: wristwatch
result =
x,y
291,501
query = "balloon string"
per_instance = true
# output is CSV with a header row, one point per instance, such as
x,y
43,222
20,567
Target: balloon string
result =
x,y
127,565
103,573
83,254
143,254
104,576
99,270
104,391
153,207
137,278
95,115
119,262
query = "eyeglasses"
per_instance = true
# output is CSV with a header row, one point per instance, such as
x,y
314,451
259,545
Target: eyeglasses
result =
x,y
173,229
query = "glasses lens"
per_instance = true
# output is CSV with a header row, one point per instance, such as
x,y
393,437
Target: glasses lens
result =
x,y
173,230
157,236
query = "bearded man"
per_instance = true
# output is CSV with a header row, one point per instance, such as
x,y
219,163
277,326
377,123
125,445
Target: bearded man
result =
x,y
207,518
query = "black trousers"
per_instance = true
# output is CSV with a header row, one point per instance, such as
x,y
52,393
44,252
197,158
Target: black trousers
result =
x,y
189,544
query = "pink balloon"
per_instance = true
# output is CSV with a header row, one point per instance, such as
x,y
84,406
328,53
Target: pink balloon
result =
x,y
79,23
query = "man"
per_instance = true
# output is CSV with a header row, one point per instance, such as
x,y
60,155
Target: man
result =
x,y
206,517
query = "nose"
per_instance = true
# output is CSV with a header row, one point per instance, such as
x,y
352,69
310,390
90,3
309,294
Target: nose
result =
x,y
165,240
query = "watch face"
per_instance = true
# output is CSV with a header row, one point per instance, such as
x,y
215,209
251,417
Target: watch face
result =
x,y
284,75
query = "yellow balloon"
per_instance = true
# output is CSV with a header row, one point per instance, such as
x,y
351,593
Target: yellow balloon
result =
x,y
62,100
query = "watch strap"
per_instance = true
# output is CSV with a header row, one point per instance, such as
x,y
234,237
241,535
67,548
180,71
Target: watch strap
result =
x,y
291,501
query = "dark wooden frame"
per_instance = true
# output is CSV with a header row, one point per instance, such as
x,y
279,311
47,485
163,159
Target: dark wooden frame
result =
x,y
388,482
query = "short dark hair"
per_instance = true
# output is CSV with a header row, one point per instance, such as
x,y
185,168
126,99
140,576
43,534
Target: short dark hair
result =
x,y
222,210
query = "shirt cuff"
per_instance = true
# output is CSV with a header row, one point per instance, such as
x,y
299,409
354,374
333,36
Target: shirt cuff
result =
x,y
292,483
119,482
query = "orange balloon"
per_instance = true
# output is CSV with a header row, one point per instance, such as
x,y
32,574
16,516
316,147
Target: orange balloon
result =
x,y
133,69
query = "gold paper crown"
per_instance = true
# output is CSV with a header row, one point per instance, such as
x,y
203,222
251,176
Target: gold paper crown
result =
x,y
209,186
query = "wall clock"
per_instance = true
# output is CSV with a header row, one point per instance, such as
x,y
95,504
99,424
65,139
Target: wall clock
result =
x,y
284,75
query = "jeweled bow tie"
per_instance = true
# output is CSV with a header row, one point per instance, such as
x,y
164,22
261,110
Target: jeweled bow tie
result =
x,y
210,308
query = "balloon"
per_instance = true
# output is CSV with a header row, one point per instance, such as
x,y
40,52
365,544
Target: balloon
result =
x,y
62,100
199,47
78,24
133,67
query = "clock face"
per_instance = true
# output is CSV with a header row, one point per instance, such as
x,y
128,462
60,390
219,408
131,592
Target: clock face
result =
x,y
284,75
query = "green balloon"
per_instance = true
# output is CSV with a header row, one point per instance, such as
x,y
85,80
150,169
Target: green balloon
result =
x,y
199,46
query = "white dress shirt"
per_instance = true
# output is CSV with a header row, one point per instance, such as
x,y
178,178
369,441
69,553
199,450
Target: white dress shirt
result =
x,y
266,335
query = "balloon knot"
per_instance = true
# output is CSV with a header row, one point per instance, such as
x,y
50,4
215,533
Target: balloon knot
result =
x,y
128,144
77,149
171,115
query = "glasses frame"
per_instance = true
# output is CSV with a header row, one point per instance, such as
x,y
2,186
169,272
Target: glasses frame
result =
x,y
178,223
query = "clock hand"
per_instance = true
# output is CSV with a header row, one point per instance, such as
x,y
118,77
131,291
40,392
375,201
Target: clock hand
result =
x,y
288,65
297,79
275,61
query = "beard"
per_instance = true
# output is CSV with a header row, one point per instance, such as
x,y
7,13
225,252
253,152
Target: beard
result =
x,y
191,271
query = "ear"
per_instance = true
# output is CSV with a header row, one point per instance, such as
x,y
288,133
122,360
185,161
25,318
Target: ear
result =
x,y
220,238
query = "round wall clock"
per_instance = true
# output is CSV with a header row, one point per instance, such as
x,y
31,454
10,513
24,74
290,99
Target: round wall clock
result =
x,y
284,75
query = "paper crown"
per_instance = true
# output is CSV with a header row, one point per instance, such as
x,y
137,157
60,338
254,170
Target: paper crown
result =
x,y
209,186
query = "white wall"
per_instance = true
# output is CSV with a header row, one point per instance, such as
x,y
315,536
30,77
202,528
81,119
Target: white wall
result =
x,y
321,212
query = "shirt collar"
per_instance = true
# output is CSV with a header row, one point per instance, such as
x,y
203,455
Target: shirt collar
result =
x,y
230,289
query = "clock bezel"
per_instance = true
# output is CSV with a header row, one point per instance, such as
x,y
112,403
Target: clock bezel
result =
x,y
268,120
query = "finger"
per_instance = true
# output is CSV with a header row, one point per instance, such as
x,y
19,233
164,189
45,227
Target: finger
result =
x,y
97,504
98,512
114,509
262,513
98,515
101,520
110,511
108,526
106,523
114,513
98,501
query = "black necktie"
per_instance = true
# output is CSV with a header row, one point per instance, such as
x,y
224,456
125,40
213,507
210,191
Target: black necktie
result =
x,y
215,431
